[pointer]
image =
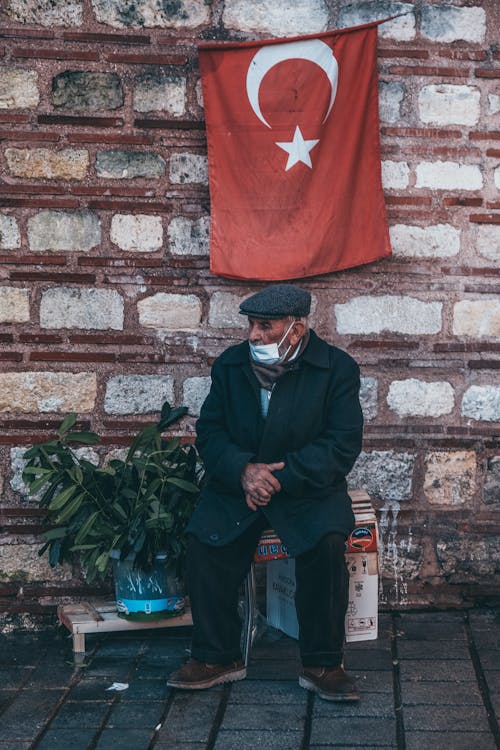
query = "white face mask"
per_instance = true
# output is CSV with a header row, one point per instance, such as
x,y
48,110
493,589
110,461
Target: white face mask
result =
x,y
269,354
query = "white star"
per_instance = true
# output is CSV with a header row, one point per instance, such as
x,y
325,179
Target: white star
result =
x,y
298,149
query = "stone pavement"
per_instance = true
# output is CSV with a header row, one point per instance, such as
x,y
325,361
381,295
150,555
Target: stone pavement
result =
x,y
430,682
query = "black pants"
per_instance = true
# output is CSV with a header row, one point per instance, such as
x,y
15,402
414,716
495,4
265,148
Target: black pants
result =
x,y
322,590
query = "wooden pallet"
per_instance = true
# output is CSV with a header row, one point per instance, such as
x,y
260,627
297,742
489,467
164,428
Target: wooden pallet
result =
x,y
102,617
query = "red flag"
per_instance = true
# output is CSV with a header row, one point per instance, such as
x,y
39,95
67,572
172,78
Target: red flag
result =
x,y
294,155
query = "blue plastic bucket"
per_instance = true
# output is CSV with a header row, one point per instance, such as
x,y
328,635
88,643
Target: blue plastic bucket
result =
x,y
147,595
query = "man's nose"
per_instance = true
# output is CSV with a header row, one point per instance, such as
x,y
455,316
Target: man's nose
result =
x,y
253,335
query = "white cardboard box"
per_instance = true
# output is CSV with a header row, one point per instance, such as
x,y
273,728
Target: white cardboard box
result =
x,y
362,613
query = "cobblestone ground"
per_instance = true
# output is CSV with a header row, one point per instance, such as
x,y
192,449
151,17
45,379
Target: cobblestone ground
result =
x,y
430,681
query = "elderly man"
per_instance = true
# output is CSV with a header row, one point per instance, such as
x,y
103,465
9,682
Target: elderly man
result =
x,y
278,432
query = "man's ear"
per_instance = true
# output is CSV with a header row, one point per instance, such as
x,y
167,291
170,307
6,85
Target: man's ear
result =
x,y
297,332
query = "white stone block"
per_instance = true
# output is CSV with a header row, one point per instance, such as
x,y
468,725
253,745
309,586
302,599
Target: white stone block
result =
x,y
276,17
18,88
31,392
488,241
63,230
384,474
435,241
138,394
195,391
14,305
493,104
199,95
188,236
398,314
47,12
175,312
497,178
417,398
138,233
448,175
188,168
18,464
152,13
482,402
400,29
395,174
450,23
224,311
448,104
390,98
477,318
368,396
165,94
9,233
65,307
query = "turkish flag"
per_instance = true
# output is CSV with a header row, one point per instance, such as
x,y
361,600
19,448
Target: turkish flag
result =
x,y
294,155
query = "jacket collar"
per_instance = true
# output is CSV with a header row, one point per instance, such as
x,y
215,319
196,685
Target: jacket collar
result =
x,y
316,353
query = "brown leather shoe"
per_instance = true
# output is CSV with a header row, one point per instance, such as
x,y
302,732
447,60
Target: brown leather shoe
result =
x,y
330,683
196,675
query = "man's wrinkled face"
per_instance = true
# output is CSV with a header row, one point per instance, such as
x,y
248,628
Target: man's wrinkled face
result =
x,y
265,331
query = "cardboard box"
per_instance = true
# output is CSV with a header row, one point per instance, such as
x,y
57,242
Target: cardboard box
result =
x,y
361,622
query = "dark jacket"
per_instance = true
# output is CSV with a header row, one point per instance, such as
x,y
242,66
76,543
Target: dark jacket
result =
x,y
314,424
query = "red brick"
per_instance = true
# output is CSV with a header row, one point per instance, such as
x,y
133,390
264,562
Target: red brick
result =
x,y
482,289
421,132
54,54
112,190
121,57
40,202
20,187
422,54
380,344
456,201
461,54
485,218
407,200
11,356
471,347
467,271
133,140
483,364
39,338
142,357
8,117
95,122
20,135
72,357
140,262
423,70
486,73
36,424
169,124
83,36
495,152
34,260
6,338
70,278
28,33
493,204
23,438
114,205
485,135
126,423
122,340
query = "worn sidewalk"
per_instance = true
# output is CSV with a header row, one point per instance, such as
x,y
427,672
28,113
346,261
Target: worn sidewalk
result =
x,y
431,681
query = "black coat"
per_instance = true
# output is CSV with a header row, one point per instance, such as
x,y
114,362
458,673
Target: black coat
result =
x,y
314,424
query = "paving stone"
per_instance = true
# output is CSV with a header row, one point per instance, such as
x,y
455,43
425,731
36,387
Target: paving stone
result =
x,y
6,696
368,660
269,692
77,715
438,670
110,667
251,716
431,631
440,693
455,740
51,675
91,689
493,679
62,739
12,677
188,720
25,717
443,718
136,715
142,690
353,731
13,745
374,682
371,705
408,649
264,739
125,739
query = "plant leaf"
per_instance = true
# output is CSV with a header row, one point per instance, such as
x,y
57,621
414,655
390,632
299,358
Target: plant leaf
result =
x,y
88,438
67,423
63,497
70,509
183,484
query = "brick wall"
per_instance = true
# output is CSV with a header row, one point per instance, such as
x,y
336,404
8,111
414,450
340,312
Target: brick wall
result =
x,y
107,305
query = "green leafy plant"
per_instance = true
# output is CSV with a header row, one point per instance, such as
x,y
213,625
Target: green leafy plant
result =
x,y
135,508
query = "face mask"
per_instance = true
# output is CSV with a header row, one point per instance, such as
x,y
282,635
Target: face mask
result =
x,y
269,354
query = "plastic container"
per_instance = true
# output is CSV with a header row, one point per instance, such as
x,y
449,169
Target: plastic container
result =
x,y
147,595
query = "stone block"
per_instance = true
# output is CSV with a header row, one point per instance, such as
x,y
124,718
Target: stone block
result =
x,y
448,175
224,311
276,17
450,23
18,88
87,91
477,318
496,176
367,314
448,104
199,95
178,14
173,312
400,29
450,477
126,165
14,305
46,12
195,390
160,92
41,163
188,168
386,475
395,174
32,392
9,233
390,99
138,394
90,309
137,233
21,563
482,402
18,463
188,236
417,398
493,104
468,560
368,396
433,241
488,241
63,230
491,488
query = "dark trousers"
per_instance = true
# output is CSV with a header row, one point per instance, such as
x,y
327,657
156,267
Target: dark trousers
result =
x,y
322,590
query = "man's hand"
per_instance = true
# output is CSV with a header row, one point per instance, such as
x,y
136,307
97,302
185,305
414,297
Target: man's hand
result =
x,y
259,483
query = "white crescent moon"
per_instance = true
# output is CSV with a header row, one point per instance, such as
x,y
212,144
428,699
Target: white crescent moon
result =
x,y
313,50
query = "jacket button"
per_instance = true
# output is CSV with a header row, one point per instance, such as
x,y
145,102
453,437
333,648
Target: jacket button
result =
x,y
214,537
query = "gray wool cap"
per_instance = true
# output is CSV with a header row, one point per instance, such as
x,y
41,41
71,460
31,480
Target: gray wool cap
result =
x,y
278,301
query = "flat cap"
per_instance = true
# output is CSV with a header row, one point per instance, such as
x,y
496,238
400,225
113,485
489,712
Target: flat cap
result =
x,y
278,301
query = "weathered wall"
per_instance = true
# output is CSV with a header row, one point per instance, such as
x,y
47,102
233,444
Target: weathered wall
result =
x,y
107,305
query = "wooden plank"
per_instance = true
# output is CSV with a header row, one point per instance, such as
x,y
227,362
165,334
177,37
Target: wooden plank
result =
x,y
83,618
